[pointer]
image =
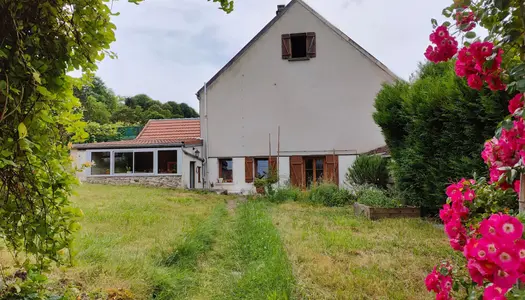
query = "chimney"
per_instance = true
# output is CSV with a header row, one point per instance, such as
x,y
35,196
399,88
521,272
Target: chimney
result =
x,y
280,8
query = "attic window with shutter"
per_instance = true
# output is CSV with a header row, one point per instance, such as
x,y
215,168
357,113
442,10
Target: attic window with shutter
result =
x,y
298,46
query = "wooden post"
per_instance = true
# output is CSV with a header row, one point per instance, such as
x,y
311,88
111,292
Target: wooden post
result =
x,y
522,193
269,147
278,150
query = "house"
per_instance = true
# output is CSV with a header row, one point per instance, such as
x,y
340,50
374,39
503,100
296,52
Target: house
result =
x,y
299,96
165,153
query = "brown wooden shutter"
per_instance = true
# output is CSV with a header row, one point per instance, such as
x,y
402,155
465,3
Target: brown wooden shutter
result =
x,y
286,46
273,162
297,171
311,44
248,169
332,169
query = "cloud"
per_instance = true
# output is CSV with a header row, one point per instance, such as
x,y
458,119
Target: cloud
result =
x,y
168,49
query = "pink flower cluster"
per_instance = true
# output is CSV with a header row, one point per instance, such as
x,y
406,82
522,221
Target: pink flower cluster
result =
x,y
496,253
440,281
506,150
465,20
445,47
480,63
454,212
516,103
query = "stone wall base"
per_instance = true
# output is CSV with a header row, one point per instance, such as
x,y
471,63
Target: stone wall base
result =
x,y
172,181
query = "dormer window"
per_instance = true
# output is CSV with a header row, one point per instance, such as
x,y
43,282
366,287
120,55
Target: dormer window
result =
x,y
298,46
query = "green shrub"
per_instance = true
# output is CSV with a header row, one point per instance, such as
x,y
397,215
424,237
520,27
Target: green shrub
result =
x,y
329,194
368,169
286,194
372,196
435,127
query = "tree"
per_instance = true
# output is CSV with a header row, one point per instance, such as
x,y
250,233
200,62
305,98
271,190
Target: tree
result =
x,y
96,91
127,115
175,109
39,116
96,111
156,111
187,111
434,128
492,250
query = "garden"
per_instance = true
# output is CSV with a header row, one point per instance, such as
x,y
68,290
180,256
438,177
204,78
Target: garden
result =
x,y
144,243
456,136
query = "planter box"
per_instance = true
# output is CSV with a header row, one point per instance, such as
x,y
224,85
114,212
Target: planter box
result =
x,y
376,213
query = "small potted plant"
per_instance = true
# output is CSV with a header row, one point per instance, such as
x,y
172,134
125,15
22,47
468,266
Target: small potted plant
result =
x,y
259,183
128,169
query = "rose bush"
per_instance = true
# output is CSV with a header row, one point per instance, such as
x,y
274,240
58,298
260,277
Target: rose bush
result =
x,y
493,249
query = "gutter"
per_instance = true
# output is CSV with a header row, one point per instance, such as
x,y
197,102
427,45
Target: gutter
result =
x,y
127,146
192,155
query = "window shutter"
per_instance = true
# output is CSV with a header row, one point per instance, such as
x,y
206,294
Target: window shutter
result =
x,y
297,171
273,162
248,169
311,50
286,46
332,169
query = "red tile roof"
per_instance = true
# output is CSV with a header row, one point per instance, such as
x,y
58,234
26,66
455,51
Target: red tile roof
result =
x,y
381,150
176,129
157,133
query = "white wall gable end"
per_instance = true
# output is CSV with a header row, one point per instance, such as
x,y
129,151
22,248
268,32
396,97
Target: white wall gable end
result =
x,y
283,11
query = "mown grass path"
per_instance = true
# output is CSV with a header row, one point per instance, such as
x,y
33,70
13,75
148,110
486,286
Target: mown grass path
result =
x,y
249,261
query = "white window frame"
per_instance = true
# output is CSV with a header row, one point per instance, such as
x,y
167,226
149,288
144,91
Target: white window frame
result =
x,y
133,150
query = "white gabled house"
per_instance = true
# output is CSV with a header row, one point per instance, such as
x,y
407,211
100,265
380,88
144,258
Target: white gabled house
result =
x,y
298,96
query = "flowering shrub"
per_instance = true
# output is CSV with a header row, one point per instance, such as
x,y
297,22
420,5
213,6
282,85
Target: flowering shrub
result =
x,y
493,249
480,63
445,47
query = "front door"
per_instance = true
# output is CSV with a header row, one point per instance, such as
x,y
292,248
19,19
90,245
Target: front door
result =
x,y
314,169
192,174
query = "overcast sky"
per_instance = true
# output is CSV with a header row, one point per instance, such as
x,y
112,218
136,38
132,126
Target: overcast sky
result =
x,y
167,49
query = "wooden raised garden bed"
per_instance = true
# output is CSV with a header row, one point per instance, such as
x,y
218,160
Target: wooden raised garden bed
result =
x,y
376,213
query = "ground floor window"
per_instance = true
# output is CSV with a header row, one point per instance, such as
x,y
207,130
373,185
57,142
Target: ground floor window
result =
x,y
261,167
101,163
314,168
123,162
143,162
167,162
226,169
128,161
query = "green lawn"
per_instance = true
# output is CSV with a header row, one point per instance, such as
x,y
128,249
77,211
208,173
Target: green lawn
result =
x,y
166,244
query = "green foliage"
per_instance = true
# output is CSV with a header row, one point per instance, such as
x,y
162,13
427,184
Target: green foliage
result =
x,y
286,194
375,197
267,182
329,194
368,169
39,116
491,200
24,284
257,244
128,115
101,105
103,133
435,128
184,258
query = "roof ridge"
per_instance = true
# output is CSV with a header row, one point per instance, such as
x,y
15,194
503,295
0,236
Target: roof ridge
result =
x,y
274,20
349,40
174,119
